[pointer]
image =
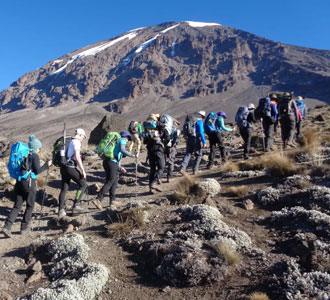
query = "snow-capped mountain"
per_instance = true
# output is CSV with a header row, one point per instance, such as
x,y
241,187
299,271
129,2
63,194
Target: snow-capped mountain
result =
x,y
170,63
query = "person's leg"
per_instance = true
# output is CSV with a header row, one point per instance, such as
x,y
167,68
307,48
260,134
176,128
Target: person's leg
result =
x,y
292,128
299,130
212,149
171,161
189,150
30,198
248,140
75,175
138,144
222,147
198,153
65,183
160,164
106,187
113,174
152,164
244,135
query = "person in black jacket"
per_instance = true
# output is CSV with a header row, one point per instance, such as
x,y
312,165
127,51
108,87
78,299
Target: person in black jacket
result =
x,y
26,189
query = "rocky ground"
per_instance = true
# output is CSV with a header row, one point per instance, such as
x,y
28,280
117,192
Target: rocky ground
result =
x,y
243,227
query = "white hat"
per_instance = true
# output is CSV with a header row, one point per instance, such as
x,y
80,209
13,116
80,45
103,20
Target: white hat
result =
x,y
251,106
202,113
80,131
300,98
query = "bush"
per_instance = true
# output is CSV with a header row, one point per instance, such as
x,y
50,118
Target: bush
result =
x,y
278,165
238,191
258,296
186,190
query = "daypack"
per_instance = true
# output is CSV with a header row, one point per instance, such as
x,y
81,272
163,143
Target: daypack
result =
x,y
189,126
58,159
301,105
150,125
166,122
264,108
209,123
241,117
107,145
285,106
18,165
133,127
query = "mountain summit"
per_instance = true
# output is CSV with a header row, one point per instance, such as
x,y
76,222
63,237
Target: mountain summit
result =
x,y
173,62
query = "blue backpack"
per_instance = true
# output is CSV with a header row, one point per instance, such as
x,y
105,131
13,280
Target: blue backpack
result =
x,y
209,123
241,117
301,105
18,162
264,108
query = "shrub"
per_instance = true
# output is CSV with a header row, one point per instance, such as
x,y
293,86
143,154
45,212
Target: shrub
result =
x,y
186,191
238,191
311,140
229,166
278,165
231,256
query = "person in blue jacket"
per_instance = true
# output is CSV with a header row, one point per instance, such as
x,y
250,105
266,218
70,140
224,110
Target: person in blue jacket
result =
x,y
195,144
111,168
216,138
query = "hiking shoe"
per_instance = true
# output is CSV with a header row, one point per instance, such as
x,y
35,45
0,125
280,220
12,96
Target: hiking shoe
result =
x,y
25,230
78,210
61,213
6,232
98,204
195,172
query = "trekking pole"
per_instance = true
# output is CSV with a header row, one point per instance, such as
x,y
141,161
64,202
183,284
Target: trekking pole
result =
x,y
136,170
263,137
43,200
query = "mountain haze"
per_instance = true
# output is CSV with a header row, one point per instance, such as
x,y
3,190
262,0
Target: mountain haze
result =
x,y
183,65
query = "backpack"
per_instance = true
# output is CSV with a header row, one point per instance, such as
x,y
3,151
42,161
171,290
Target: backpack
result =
x,y
107,145
166,122
133,127
19,165
301,105
189,126
285,106
209,123
58,146
241,117
150,125
264,108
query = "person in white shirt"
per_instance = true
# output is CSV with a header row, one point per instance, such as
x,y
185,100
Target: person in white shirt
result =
x,y
73,170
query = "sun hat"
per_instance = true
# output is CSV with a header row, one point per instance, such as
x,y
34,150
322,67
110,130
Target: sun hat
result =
x,y
251,106
202,113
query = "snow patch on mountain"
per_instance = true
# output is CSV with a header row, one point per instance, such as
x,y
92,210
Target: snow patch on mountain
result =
x,y
169,28
201,24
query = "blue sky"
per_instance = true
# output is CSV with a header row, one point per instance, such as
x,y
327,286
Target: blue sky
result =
x,y
34,32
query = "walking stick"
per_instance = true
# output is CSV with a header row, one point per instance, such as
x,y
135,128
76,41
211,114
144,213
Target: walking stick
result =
x,y
263,137
136,170
43,200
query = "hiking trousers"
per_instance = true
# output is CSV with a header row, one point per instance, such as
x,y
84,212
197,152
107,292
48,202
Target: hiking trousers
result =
x,y
194,146
136,141
26,193
157,165
170,154
269,134
299,129
68,174
288,124
246,134
111,180
215,139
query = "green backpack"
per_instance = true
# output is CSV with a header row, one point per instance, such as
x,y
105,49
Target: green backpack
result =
x,y
107,145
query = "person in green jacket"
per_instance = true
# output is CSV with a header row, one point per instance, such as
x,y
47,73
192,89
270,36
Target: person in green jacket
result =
x,y
135,129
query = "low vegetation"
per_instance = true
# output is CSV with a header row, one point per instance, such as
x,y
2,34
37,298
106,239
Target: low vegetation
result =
x,y
278,165
232,257
258,296
186,191
238,191
311,140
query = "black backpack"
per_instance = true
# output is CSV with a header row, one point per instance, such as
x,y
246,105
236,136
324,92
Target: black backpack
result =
x,y
58,146
264,109
285,107
189,126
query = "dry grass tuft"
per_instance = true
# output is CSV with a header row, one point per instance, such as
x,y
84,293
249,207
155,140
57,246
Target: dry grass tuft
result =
x,y
311,140
186,191
127,221
232,257
229,166
278,165
238,191
248,165
258,296
41,181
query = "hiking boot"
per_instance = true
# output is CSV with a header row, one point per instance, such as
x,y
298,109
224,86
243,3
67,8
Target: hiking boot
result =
x,y
169,179
98,204
25,230
195,172
61,213
182,171
154,187
6,232
77,209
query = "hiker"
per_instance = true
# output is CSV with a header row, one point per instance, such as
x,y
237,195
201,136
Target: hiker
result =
x,y
274,102
135,129
288,116
302,111
156,150
26,188
245,118
73,170
267,112
193,129
111,167
214,130
170,133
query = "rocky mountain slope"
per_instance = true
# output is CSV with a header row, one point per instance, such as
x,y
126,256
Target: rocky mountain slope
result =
x,y
170,66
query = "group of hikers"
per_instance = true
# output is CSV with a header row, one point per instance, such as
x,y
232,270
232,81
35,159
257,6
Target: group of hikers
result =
x,y
160,134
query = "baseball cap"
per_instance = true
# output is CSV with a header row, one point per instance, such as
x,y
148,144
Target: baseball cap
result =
x,y
251,106
80,131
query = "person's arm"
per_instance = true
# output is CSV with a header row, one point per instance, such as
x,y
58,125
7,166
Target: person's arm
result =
x,y
223,126
124,151
36,169
78,160
200,131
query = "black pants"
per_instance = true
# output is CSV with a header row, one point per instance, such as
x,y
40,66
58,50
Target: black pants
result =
x,y
299,129
24,191
193,146
157,165
170,154
288,124
69,174
246,134
216,139
269,134
111,180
